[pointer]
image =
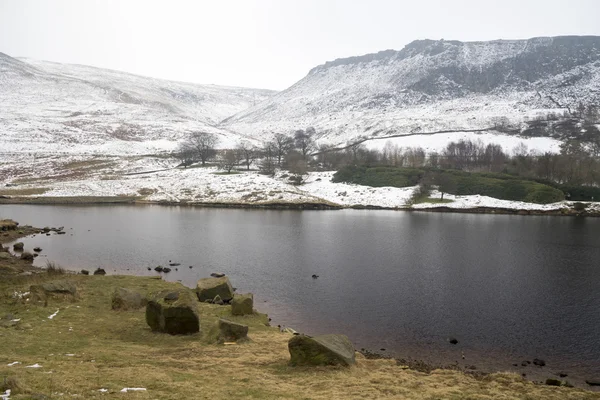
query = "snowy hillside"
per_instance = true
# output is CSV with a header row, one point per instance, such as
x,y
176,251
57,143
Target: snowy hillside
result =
x,y
46,107
432,86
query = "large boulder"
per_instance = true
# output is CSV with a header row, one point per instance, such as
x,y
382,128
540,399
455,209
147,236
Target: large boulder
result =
x,y
232,331
321,350
18,246
173,312
242,304
127,299
209,288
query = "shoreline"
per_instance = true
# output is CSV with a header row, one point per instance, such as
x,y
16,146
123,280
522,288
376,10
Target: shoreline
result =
x,y
412,364
114,200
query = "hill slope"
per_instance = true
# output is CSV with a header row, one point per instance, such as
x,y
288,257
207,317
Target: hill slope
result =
x,y
433,86
48,106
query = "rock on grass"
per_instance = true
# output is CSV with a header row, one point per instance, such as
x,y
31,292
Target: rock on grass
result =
x,y
321,350
173,312
242,304
126,299
209,288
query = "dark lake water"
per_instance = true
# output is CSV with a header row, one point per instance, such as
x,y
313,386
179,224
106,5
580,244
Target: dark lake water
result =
x,y
509,288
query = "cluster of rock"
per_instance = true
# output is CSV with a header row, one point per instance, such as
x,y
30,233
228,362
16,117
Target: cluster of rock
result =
x,y
58,231
176,312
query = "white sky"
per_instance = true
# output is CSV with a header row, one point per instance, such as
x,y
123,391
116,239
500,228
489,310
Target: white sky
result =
x,y
264,43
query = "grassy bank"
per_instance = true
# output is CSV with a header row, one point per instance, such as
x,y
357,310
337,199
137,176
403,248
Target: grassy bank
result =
x,y
87,347
499,186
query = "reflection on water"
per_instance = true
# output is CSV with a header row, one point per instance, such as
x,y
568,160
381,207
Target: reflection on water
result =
x,y
509,287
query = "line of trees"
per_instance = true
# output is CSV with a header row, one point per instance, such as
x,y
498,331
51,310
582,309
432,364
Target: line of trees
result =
x,y
577,163
292,152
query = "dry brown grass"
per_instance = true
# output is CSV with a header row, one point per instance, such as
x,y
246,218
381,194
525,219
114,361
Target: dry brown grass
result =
x,y
70,200
114,350
89,164
23,192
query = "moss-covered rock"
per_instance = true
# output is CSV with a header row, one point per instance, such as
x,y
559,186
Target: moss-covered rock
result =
x,y
209,288
18,246
57,287
242,304
321,350
126,299
173,312
27,256
232,331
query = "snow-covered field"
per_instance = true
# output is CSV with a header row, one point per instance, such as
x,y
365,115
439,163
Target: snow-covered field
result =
x,y
438,142
157,180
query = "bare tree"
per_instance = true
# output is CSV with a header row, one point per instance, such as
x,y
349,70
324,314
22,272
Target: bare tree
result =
x,y
229,159
202,144
282,145
268,153
355,150
297,166
185,154
247,153
305,141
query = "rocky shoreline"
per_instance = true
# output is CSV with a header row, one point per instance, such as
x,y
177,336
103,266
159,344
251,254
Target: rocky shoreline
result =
x,y
9,232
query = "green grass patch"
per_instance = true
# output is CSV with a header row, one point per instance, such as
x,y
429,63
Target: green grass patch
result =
x,y
499,186
432,200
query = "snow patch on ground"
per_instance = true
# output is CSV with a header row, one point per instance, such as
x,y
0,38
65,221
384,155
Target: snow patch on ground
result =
x,y
208,185
476,201
319,185
438,142
125,390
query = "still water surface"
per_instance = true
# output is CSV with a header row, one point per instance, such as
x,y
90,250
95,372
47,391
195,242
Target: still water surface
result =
x,y
509,288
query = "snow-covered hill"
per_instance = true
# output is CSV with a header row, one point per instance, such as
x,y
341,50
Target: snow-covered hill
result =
x,y
432,86
47,107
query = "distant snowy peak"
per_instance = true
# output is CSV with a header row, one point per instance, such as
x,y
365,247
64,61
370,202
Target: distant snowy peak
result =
x,y
433,85
47,106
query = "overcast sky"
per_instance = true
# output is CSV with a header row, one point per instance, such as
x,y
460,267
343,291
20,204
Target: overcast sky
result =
x,y
267,43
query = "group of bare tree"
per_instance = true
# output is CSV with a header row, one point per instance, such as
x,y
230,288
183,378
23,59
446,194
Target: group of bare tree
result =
x,y
577,163
197,147
289,151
